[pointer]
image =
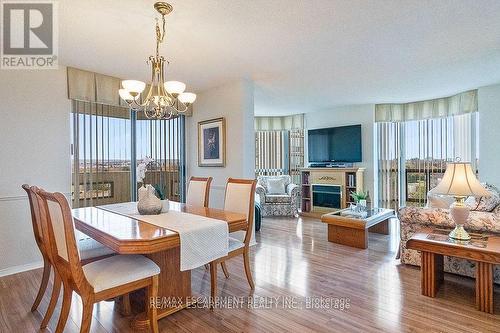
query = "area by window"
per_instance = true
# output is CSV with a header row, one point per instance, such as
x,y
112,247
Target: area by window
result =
x,y
103,156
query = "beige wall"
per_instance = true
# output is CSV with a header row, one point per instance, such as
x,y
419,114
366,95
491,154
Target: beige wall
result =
x,y
34,149
350,115
489,137
234,101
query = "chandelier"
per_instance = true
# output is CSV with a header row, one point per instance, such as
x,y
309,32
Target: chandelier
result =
x,y
163,100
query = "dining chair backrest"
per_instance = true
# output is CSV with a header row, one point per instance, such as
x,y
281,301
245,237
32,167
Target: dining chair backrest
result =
x,y
198,191
58,221
240,198
35,216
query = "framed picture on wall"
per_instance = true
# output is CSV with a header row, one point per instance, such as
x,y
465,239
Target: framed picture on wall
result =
x,y
212,143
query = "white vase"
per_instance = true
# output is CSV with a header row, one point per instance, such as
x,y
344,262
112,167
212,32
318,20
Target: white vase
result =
x,y
362,203
142,192
165,206
149,204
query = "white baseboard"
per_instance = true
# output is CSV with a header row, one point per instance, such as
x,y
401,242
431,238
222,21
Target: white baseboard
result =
x,y
21,268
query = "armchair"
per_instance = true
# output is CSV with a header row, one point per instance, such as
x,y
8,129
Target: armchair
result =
x,y
278,195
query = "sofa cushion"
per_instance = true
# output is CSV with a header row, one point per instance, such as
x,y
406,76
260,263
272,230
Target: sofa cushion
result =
x,y
276,186
278,198
486,204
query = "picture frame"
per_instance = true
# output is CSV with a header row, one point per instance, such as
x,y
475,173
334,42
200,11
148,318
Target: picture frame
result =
x,y
212,143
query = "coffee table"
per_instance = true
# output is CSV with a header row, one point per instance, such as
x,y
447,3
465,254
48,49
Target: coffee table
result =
x,y
434,244
347,228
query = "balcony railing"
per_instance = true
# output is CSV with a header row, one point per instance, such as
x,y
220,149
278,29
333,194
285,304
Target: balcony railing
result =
x,y
113,186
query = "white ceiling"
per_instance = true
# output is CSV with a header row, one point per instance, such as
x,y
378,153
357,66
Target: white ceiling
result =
x,y
303,55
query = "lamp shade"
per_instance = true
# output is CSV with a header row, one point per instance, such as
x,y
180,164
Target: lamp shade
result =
x,y
174,87
187,98
125,95
134,86
459,180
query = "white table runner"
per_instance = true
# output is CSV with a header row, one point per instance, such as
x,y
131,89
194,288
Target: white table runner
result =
x,y
202,239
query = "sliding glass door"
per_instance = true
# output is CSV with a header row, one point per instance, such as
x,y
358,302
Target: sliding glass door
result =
x,y
106,143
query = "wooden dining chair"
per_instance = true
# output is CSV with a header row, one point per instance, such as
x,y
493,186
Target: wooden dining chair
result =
x,y
239,198
97,281
198,191
90,250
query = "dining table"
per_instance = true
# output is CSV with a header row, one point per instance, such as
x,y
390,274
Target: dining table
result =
x,y
131,235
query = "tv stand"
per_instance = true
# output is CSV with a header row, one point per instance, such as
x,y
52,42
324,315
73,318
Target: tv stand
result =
x,y
328,189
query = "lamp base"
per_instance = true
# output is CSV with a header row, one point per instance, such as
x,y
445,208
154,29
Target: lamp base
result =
x,y
459,233
460,213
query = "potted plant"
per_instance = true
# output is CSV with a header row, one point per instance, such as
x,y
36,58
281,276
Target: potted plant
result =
x,y
360,198
160,193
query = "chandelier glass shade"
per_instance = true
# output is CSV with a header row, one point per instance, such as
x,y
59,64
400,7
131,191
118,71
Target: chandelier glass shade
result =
x,y
162,99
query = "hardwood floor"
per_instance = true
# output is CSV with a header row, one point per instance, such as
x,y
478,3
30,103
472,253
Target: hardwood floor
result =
x,y
292,261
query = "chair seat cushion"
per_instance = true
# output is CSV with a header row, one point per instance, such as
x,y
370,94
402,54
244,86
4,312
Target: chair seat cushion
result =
x,y
119,270
270,198
90,248
235,244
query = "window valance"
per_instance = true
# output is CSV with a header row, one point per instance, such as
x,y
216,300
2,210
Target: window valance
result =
x,y
93,87
99,88
462,103
279,123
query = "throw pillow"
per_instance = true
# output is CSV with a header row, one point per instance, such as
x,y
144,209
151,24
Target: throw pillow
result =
x,y
276,186
487,204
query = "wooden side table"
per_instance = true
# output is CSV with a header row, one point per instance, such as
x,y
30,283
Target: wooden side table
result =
x,y
434,244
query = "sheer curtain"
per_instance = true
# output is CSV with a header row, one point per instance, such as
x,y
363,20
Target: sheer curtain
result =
x,y
412,154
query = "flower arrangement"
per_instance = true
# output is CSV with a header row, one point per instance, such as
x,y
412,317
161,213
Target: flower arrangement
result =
x,y
141,174
141,169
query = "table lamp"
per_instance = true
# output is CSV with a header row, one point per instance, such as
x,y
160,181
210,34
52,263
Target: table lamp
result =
x,y
460,182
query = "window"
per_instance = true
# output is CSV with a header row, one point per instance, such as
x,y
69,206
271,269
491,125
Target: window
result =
x,y
279,153
412,155
279,146
103,158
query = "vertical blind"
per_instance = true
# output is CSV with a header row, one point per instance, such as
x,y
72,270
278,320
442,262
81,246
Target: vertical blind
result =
x,y
279,146
279,153
412,155
271,153
102,153
389,160
161,140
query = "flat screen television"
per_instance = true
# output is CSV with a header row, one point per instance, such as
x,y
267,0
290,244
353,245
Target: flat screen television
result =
x,y
335,144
